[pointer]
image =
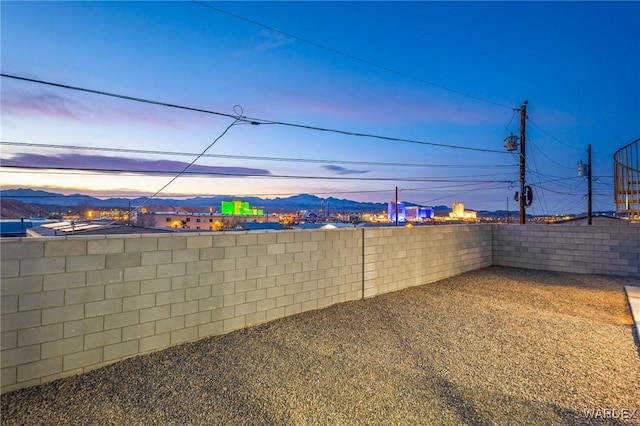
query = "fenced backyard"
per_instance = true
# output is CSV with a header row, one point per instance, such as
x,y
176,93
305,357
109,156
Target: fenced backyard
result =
x,y
71,305
494,346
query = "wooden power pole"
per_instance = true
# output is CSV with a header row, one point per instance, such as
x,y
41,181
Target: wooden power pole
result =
x,y
396,206
589,191
521,198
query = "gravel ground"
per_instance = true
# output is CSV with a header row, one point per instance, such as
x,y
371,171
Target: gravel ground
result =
x,y
498,346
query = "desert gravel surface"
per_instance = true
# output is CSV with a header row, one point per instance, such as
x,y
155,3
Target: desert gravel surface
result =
x,y
497,346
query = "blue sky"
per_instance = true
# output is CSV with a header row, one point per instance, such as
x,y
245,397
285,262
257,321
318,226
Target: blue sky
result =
x,y
448,73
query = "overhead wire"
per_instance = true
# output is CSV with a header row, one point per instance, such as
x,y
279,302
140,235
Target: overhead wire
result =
x,y
569,194
248,157
539,194
437,188
551,178
269,194
264,194
546,156
254,121
238,119
553,137
261,121
572,193
99,171
595,178
349,56
450,196
576,202
515,110
186,168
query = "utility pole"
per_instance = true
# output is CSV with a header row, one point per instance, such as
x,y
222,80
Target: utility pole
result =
x,y
396,208
521,198
507,209
589,196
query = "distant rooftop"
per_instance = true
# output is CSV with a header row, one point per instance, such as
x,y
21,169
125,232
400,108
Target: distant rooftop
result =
x,y
91,228
259,226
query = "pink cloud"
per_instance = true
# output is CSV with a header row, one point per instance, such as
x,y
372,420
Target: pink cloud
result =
x,y
46,103
43,103
115,164
339,170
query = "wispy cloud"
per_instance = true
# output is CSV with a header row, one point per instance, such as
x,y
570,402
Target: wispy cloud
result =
x,y
41,103
46,103
271,40
264,41
339,170
122,164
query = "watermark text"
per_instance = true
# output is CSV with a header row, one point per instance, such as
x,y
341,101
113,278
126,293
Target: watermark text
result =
x,y
610,413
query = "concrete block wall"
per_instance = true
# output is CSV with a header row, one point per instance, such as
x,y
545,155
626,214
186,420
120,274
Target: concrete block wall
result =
x,y
72,304
397,258
611,248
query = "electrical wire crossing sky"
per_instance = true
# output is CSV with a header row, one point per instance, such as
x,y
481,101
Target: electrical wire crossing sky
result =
x,y
337,99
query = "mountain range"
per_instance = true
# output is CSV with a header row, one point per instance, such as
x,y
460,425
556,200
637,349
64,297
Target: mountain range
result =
x,y
17,203
40,199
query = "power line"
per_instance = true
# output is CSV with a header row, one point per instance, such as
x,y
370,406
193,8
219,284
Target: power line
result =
x,y
553,137
437,188
269,194
349,56
247,119
460,193
100,171
115,95
553,178
185,169
387,138
248,157
576,203
546,156
572,193
105,195
544,201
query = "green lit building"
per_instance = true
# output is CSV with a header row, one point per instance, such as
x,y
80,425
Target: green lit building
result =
x,y
239,208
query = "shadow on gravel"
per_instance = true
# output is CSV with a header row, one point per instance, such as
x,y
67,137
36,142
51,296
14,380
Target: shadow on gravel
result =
x,y
460,404
635,333
634,328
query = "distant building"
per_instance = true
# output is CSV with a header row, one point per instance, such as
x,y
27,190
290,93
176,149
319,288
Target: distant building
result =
x,y
14,227
418,213
89,228
259,226
409,213
399,208
181,220
458,212
200,221
324,225
19,227
239,208
307,216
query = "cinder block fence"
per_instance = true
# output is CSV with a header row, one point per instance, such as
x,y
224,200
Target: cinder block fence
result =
x,y
609,248
73,304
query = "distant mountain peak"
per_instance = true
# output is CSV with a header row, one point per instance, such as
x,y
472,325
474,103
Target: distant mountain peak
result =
x,y
290,204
